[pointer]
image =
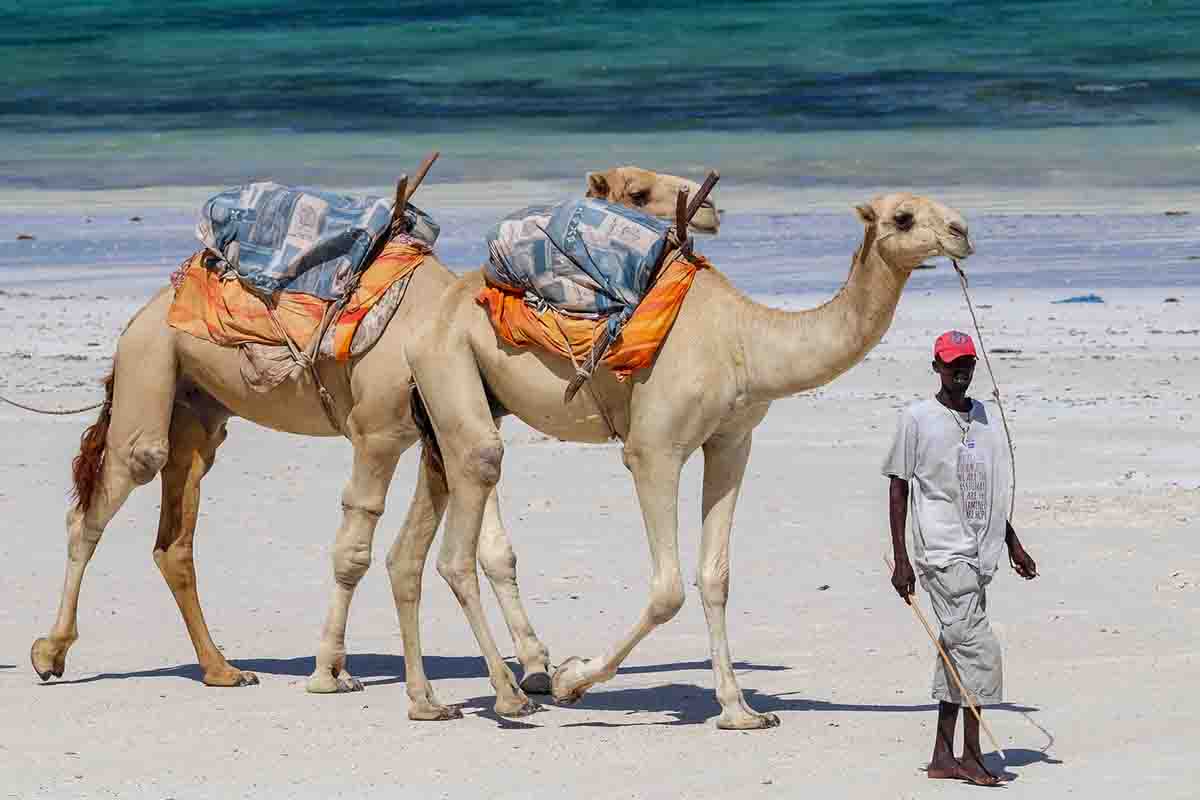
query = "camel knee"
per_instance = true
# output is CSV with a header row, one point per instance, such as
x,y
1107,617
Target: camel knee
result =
x,y
714,583
666,598
404,572
499,562
459,574
351,560
147,459
175,564
482,461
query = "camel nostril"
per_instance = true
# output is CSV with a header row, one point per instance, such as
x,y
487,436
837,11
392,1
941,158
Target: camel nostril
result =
x,y
958,230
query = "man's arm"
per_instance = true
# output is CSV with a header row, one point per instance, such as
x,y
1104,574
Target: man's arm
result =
x,y
1022,563
903,579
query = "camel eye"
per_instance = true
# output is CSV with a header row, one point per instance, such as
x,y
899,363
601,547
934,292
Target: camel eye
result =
x,y
640,198
903,220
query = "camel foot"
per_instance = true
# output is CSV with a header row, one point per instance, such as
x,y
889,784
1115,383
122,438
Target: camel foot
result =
x,y
568,684
432,712
747,721
536,683
49,660
324,681
519,707
230,677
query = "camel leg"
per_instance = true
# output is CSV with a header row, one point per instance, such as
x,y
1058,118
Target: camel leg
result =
x,y
656,475
49,654
135,450
473,472
375,460
499,563
472,452
406,564
194,443
724,468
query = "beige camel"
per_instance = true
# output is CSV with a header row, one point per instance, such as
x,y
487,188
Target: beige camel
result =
x,y
650,192
170,396
725,360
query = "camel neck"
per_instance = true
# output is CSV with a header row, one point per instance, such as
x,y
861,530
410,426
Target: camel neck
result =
x,y
792,351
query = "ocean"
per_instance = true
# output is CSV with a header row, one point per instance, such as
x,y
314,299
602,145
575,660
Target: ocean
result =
x,y
180,92
1084,99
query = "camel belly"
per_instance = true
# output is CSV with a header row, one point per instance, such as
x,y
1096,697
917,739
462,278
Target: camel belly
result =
x,y
292,407
531,386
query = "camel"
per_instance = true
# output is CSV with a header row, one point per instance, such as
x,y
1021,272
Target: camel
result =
x,y
726,358
651,193
168,400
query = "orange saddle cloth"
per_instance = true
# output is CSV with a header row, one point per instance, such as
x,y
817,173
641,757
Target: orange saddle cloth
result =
x,y
218,308
521,325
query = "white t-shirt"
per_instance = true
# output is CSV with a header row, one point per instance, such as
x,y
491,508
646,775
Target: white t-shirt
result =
x,y
957,470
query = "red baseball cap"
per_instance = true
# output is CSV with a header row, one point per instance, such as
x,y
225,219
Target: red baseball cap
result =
x,y
951,345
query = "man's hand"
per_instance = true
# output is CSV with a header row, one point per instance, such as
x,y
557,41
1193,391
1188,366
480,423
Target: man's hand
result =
x,y
1022,563
904,581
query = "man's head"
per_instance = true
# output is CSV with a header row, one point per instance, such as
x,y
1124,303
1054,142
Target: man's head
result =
x,y
954,361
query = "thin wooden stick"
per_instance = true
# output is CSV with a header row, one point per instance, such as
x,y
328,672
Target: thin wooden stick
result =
x,y
702,195
933,637
422,171
401,197
681,222
681,217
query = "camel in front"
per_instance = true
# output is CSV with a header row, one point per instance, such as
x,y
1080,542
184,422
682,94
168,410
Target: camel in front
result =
x,y
724,361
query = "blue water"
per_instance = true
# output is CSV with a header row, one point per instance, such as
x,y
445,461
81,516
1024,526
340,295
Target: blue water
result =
x,y
115,94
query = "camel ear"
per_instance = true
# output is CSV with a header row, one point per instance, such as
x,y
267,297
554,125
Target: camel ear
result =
x,y
597,185
865,213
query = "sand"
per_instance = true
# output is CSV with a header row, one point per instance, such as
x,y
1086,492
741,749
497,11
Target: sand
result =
x,y
1101,651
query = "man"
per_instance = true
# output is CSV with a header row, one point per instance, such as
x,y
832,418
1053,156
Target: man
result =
x,y
949,463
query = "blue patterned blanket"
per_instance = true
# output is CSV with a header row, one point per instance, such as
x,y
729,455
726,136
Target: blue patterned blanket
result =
x,y
585,257
282,238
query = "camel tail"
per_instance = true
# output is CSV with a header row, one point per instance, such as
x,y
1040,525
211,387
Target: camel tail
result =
x,y
88,465
431,451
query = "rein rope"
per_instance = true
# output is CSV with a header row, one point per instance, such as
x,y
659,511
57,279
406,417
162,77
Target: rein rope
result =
x,y
57,412
1012,456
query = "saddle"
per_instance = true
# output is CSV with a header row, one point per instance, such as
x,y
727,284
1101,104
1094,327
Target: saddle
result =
x,y
291,274
571,277
277,238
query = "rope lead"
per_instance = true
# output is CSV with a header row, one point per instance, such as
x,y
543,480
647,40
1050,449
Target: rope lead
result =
x,y
1012,455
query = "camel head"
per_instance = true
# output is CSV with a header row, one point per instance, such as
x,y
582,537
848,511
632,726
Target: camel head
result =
x,y
652,193
908,229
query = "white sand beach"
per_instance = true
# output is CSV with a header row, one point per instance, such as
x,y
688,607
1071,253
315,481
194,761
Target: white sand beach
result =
x,y
1101,652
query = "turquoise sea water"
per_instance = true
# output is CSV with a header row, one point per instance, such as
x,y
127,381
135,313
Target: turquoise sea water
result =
x,y
116,94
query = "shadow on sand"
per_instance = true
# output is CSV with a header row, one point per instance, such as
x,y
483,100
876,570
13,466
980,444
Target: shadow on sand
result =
x,y
386,668
689,704
379,669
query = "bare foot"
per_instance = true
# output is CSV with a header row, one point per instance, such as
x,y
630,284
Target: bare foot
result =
x,y
976,772
957,770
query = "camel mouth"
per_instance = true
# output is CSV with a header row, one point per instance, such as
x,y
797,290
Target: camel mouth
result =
x,y
957,248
